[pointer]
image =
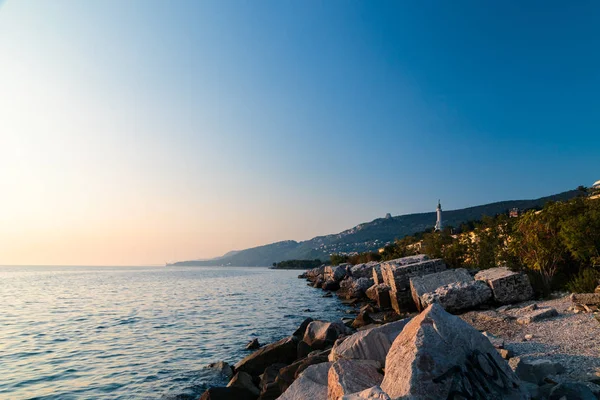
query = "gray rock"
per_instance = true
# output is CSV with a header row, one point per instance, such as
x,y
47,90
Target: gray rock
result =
x,y
535,371
537,315
427,284
222,367
571,391
438,356
371,344
335,273
507,286
253,344
363,270
288,374
330,284
351,376
269,388
244,381
282,351
310,384
590,299
459,296
397,273
320,334
312,274
303,349
299,333
354,287
374,393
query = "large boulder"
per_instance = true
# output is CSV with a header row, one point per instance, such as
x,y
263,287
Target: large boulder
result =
x,y
244,381
311,384
330,284
282,351
351,376
222,368
370,344
227,393
320,334
363,270
288,374
312,274
353,288
421,285
439,356
335,273
535,371
397,273
507,286
459,296
299,333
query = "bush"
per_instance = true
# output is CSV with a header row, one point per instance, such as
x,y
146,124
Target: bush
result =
x,y
584,282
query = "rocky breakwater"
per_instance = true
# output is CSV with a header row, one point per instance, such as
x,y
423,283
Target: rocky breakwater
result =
x,y
431,355
434,355
409,284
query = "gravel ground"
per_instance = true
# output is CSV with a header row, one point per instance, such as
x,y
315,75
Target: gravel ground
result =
x,y
571,339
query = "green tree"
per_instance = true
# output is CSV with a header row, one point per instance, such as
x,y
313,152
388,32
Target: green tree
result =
x,y
580,230
538,245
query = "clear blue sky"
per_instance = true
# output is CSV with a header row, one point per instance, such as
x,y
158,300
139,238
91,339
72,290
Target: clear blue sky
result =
x,y
186,129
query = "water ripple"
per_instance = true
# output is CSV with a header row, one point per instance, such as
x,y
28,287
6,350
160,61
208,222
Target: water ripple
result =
x,y
139,333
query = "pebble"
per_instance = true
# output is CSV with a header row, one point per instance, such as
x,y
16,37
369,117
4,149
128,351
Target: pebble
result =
x,y
528,337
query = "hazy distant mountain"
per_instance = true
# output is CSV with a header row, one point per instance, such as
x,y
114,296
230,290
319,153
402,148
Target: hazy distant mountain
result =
x,y
367,236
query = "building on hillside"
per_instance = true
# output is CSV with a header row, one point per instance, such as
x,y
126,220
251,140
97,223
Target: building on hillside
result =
x,y
513,213
388,216
438,223
596,185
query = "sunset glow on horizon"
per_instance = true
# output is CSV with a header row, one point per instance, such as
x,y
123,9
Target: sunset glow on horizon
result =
x,y
139,133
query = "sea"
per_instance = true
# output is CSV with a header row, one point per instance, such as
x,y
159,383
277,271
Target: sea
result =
x,y
140,332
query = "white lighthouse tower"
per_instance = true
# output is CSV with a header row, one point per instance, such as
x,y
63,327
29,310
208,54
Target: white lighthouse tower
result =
x,y
438,224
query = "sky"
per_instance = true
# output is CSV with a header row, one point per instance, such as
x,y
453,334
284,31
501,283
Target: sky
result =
x,y
144,132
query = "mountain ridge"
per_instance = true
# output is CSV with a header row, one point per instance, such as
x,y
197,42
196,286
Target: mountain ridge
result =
x,y
367,235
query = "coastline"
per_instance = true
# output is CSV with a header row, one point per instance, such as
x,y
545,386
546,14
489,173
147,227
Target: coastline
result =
x,y
320,358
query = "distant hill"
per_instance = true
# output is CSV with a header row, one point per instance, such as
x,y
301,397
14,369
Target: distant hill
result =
x,y
367,236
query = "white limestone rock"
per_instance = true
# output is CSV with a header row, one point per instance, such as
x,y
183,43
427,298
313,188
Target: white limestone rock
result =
x,y
311,384
320,334
351,376
421,285
438,356
507,286
459,296
370,344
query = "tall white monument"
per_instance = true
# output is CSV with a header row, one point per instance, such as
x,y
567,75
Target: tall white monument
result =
x,y
438,224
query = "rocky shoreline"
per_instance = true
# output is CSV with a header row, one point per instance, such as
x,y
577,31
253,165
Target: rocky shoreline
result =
x,y
422,331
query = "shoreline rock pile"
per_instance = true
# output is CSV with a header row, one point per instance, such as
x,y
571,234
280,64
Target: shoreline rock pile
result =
x,y
410,284
384,353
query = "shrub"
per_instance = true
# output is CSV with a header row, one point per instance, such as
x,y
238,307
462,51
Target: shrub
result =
x,y
585,281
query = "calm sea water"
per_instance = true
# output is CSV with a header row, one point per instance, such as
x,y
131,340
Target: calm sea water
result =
x,y
139,333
